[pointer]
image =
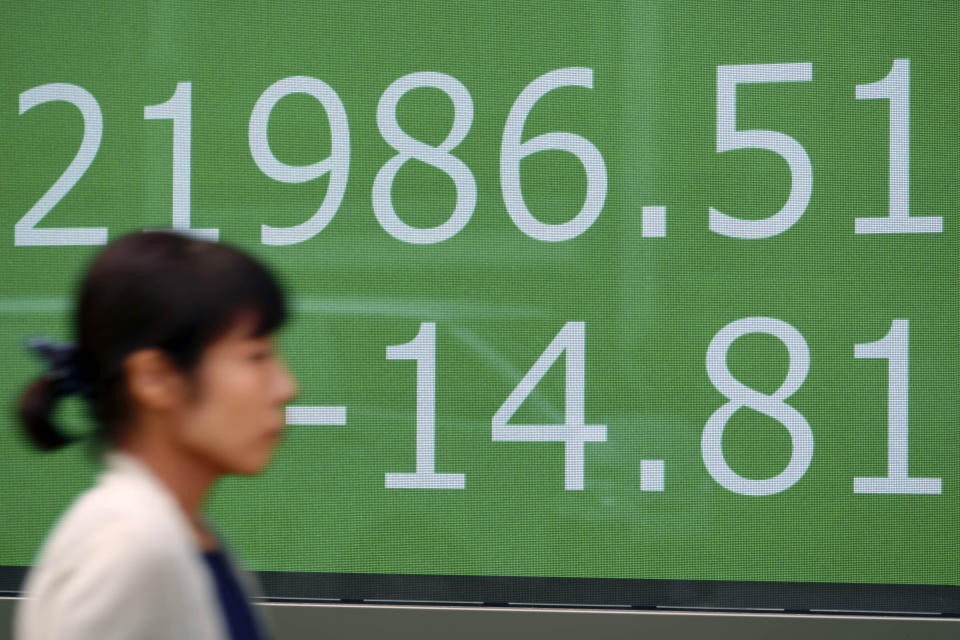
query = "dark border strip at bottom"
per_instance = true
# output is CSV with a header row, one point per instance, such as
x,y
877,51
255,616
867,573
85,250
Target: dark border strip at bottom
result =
x,y
710,594
507,590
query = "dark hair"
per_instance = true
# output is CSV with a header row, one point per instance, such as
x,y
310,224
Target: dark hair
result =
x,y
160,290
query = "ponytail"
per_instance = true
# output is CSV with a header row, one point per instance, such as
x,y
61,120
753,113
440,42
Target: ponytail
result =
x,y
38,400
35,410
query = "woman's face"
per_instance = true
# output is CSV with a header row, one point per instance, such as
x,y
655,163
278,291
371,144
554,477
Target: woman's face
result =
x,y
236,416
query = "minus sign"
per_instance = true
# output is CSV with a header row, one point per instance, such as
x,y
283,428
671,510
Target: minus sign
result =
x,y
317,416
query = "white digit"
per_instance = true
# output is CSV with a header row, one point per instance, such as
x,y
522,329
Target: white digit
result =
x,y
773,406
423,350
337,164
895,348
177,108
25,232
438,157
512,152
729,139
896,88
574,432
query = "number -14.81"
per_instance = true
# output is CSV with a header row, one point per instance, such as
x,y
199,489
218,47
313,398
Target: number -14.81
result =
x,y
574,433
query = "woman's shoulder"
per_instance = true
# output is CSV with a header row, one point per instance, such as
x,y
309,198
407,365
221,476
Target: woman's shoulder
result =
x,y
118,559
120,541
120,517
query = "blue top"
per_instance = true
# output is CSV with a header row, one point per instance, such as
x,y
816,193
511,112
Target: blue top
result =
x,y
233,601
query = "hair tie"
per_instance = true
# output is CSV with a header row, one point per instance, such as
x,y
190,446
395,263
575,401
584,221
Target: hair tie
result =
x,y
63,364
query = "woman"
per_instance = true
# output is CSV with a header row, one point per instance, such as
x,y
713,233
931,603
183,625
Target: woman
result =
x,y
174,356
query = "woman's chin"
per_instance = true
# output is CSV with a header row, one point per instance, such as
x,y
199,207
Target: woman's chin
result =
x,y
258,463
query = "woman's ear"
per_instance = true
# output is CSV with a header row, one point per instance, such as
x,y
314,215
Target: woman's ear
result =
x,y
153,381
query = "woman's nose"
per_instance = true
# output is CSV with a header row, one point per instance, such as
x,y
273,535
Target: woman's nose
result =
x,y
288,384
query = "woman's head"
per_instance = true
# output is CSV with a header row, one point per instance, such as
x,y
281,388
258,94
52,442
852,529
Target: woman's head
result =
x,y
177,331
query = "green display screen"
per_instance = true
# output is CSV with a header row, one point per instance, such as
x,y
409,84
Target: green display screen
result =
x,y
635,291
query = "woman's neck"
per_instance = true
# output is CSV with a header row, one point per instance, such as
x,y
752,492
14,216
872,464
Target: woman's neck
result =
x,y
186,477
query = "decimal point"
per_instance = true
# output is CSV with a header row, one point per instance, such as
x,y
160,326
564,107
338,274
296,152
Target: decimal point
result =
x,y
654,222
651,475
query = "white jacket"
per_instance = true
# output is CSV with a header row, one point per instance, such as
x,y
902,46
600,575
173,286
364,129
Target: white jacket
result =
x,y
121,564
